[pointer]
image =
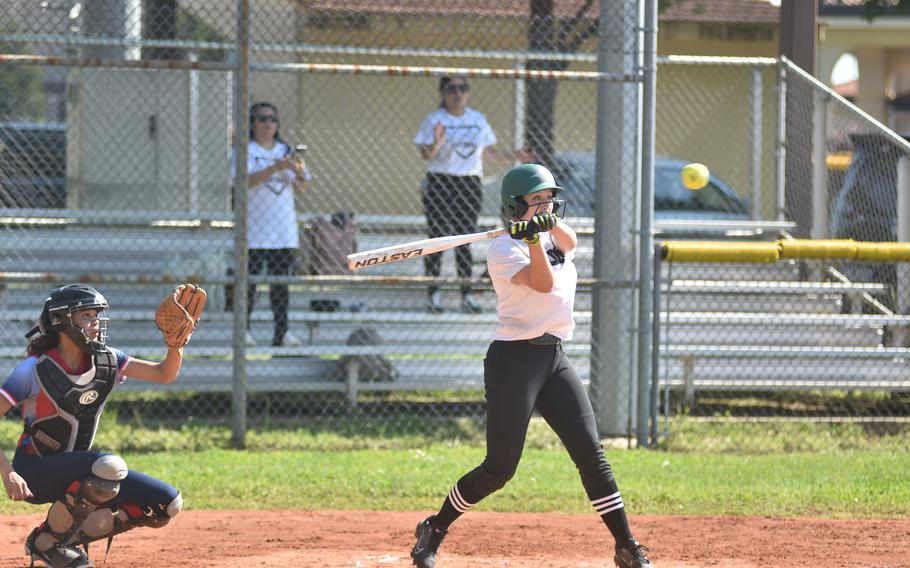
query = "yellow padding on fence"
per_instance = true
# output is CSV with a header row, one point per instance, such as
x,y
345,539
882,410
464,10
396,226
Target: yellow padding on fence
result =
x,y
806,248
894,252
718,251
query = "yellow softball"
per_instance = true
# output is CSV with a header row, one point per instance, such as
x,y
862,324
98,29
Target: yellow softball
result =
x,y
695,176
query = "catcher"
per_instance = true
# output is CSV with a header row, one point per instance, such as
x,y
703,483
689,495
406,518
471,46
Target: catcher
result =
x,y
61,389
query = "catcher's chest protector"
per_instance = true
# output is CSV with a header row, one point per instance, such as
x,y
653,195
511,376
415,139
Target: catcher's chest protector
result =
x,y
77,408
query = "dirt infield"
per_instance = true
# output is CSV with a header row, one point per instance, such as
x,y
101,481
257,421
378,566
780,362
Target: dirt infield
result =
x,y
314,539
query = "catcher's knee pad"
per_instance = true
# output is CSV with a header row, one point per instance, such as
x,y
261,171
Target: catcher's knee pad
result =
x,y
175,506
164,515
110,467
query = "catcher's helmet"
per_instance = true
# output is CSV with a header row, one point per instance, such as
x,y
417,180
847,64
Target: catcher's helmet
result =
x,y
66,300
523,180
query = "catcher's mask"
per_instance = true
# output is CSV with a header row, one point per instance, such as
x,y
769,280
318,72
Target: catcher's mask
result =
x,y
526,179
58,311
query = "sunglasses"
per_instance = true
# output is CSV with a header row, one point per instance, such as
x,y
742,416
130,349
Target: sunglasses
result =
x,y
462,87
267,118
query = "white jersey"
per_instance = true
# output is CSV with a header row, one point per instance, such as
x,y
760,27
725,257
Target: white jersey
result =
x,y
466,137
271,215
523,312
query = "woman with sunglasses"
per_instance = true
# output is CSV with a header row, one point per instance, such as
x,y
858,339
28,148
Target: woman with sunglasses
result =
x,y
276,174
526,368
453,139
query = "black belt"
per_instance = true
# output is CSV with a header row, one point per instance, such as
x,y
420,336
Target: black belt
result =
x,y
545,339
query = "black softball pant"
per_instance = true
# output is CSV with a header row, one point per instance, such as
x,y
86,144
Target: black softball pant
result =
x,y
452,205
520,377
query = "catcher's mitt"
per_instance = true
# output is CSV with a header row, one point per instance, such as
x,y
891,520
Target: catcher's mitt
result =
x,y
179,313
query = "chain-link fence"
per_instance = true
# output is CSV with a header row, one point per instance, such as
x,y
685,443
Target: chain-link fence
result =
x,y
745,337
121,126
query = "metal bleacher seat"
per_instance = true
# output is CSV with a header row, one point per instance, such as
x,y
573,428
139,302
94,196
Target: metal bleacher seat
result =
x,y
789,335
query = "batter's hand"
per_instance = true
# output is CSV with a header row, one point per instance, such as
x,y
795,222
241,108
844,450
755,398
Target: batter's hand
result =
x,y
545,221
16,487
524,230
528,230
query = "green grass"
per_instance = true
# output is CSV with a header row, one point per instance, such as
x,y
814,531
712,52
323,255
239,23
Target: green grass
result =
x,y
852,484
358,461
361,431
727,436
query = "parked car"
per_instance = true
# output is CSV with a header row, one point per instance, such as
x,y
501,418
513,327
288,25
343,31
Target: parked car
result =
x,y
574,171
32,165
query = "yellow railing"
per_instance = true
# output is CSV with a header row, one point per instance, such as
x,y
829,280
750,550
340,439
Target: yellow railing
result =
x,y
722,251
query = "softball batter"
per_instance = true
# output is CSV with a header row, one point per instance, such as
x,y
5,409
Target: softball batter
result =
x,y
526,368
61,389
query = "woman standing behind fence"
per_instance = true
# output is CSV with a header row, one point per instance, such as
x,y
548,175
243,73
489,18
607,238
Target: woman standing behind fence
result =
x,y
453,139
526,368
276,172
61,389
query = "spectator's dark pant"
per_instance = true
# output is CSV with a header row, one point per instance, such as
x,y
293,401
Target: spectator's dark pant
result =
x,y
452,205
278,262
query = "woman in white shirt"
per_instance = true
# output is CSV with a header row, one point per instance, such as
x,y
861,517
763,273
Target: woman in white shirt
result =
x,y
526,369
276,173
452,139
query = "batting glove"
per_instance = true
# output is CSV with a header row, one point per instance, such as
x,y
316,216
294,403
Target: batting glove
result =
x,y
545,221
527,230
524,230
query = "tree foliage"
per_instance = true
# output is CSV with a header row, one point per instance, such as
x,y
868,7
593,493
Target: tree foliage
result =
x,y
21,93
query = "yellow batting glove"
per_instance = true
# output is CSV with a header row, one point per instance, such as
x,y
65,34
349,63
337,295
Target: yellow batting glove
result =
x,y
545,221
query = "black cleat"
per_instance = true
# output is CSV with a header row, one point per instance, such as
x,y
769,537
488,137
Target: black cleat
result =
x,y
428,540
58,556
632,556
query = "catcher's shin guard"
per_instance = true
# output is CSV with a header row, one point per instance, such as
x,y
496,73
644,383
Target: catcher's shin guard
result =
x,y
111,521
66,516
108,522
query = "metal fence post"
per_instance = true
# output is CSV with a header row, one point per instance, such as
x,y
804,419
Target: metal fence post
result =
x,y
613,305
780,153
241,179
903,235
519,106
756,163
192,137
655,345
646,237
820,167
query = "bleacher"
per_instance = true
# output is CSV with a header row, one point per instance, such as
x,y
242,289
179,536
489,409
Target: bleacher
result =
x,y
747,328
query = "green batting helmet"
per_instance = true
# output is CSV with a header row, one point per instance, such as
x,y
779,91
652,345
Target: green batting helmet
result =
x,y
523,180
